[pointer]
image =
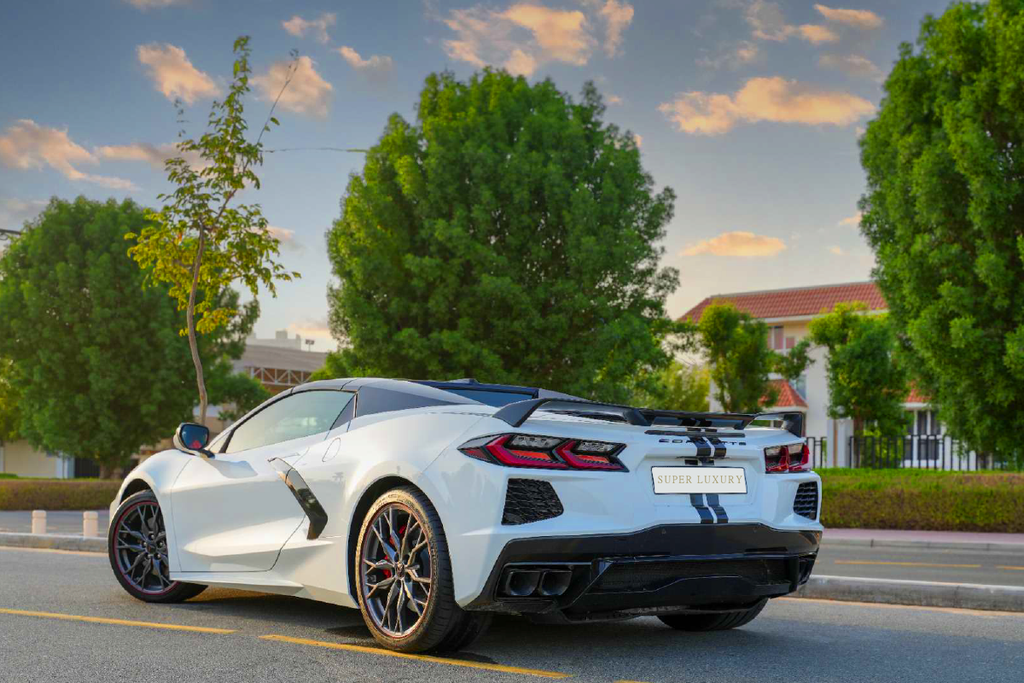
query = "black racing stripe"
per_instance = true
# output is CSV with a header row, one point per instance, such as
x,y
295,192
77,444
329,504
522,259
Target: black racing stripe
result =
x,y
716,505
719,446
697,500
703,449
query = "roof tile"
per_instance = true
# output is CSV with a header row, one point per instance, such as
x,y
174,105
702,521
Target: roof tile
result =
x,y
800,301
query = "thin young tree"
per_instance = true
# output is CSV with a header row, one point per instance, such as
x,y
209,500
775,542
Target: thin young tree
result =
x,y
201,242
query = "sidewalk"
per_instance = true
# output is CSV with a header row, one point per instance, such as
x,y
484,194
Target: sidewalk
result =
x,y
66,522
949,540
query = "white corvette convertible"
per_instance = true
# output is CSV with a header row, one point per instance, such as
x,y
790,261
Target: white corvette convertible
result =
x,y
432,505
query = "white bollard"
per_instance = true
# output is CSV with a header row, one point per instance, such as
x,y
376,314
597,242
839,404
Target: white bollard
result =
x,y
90,524
39,521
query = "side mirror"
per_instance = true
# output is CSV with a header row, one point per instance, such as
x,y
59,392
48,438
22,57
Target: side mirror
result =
x,y
192,438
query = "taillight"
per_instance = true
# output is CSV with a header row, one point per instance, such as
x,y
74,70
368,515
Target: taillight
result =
x,y
547,452
794,457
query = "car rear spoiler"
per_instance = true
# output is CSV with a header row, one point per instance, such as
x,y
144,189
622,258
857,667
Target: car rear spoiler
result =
x,y
515,414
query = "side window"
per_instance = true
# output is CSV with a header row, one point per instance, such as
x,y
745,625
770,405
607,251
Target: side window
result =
x,y
303,414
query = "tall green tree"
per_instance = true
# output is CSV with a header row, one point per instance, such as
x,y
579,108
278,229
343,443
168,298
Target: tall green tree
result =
x,y
735,345
10,415
200,243
509,234
944,211
736,348
866,382
676,387
96,361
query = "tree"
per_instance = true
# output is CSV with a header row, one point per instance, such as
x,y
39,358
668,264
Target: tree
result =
x,y
677,387
95,360
865,381
198,243
943,212
509,235
10,415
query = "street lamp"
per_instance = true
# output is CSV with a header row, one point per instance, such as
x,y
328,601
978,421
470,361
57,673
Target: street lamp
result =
x,y
8,235
309,343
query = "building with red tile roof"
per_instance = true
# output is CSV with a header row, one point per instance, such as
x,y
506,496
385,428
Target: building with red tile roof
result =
x,y
795,302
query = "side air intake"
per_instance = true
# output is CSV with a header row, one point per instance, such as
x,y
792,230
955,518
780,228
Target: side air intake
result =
x,y
530,500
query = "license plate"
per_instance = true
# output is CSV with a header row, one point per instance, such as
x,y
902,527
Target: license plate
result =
x,y
699,479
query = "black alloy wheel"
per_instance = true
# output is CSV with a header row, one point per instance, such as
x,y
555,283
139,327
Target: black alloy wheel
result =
x,y
138,550
404,578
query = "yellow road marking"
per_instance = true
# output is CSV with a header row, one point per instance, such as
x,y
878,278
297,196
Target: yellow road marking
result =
x,y
885,605
54,550
1016,569
119,622
910,564
422,658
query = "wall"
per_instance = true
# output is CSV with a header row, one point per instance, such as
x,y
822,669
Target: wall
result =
x,y
21,459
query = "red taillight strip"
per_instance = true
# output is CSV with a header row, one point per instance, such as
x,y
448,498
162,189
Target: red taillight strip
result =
x,y
515,458
587,462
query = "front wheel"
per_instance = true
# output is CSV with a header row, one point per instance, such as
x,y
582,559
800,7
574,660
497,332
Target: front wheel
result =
x,y
404,578
137,546
713,622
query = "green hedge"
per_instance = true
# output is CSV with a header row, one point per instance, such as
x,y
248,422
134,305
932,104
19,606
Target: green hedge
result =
x,y
922,500
57,494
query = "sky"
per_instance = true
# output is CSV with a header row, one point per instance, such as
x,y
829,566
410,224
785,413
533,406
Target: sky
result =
x,y
749,109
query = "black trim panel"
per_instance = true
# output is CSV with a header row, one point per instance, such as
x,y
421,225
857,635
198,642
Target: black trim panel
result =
x,y
685,542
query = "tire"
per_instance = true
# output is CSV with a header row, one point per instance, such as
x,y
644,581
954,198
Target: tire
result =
x,y
713,622
138,523
402,546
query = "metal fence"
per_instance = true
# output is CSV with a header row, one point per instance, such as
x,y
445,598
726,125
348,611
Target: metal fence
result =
x,y
924,451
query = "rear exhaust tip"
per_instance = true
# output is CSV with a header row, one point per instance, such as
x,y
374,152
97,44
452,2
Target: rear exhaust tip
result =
x,y
555,582
520,583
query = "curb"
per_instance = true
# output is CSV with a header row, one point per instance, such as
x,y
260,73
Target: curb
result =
x,y
1009,548
53,542
920,593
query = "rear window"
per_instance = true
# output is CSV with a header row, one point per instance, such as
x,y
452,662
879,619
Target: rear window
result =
x,y
491,398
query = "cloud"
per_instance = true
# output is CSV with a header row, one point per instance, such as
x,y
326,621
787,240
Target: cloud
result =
x,y
154,155
14,212
816,34
298,27
29,146
613,99
376,67
851,221
639,139
737,243
317,329
286,237
560,34
617,17
767,23
853,65
764,99
745,52
307,93
857,18
838,251
527,35
150,4
173,74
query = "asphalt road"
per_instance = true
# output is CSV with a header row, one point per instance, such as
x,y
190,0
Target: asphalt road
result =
x,y
793,640
951,566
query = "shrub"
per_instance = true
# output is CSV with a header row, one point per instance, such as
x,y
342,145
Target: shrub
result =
x,y
922,500
57,494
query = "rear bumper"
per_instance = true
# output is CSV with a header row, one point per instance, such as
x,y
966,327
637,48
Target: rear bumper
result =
x,y
663,569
